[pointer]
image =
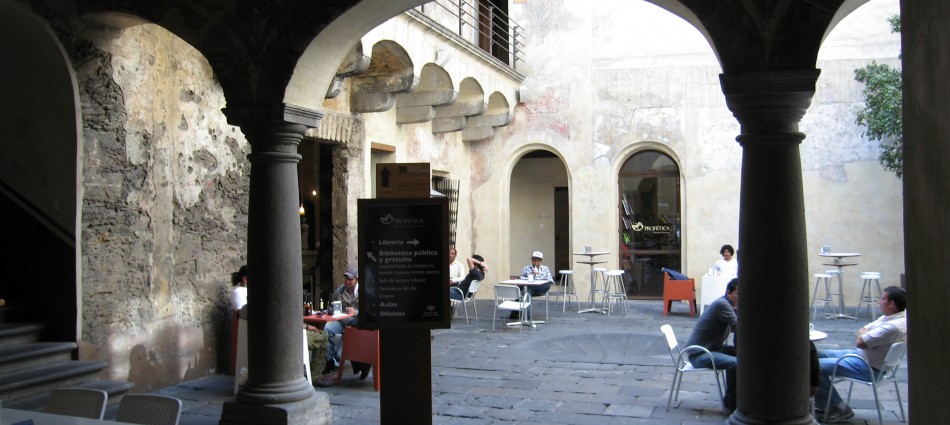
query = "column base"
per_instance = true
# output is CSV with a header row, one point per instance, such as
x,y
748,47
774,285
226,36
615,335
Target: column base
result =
x,y
312,410
739,418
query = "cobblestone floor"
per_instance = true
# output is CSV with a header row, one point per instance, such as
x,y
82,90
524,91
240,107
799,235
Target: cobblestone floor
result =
x,y
576,369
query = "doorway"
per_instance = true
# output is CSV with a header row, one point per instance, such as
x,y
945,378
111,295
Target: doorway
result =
x,y
650,232
532,210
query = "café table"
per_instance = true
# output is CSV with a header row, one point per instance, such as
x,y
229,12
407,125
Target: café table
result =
x,y
320,321
524,284
712,288
816,335
840,261
593,278
15,416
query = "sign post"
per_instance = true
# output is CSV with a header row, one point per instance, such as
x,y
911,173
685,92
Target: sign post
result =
x,y
403,244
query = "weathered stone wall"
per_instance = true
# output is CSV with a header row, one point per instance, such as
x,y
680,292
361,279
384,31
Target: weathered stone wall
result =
x,y
165,208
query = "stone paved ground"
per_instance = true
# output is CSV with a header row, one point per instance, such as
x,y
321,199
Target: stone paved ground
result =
x,y
576,369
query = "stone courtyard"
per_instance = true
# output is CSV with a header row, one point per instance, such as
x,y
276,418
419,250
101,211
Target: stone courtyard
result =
x,y
575,369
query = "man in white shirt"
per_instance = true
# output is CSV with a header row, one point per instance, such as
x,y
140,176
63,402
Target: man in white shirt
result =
x,y
456,268
873,342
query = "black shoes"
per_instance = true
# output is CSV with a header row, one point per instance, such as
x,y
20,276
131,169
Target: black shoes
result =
x,y
361,368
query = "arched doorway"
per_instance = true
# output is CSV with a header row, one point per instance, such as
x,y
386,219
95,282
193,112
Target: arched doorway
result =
x,y
38,189
649,221
539,209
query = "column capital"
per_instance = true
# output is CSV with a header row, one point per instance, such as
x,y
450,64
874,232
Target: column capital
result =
x,y
270,114
769,104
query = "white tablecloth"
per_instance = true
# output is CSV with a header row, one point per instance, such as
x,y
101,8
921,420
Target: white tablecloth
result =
x,y
712,287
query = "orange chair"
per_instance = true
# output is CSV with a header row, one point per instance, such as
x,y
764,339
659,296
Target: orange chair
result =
x,y
676,290
362,346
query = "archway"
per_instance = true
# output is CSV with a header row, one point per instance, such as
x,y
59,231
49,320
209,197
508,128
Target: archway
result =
x,y
650,235
38,157
538,207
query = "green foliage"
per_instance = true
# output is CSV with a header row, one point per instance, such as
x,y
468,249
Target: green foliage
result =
x,y
882,115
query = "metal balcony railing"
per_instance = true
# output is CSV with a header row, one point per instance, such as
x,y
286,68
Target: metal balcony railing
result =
x,y
481,24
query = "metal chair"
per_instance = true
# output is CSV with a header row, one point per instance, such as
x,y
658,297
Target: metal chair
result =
x,y
149,409
78,402
681,364
468,298
509,297
892,363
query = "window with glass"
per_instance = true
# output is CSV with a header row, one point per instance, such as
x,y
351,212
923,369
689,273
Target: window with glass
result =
x,y
649,222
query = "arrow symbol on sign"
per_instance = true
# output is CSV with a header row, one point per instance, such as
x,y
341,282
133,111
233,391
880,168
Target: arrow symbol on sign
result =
x,y
371,256
413,242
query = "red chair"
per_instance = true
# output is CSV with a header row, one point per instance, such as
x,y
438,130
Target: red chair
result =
x,y
676,290
361,346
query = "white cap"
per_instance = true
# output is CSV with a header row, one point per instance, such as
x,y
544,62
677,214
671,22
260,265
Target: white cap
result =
x,y
537,254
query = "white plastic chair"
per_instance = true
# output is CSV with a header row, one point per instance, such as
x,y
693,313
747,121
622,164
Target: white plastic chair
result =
x,y
682,365
468,298
149,409
892,363
509,297
78,402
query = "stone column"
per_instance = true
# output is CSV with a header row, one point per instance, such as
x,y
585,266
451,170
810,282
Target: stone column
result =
x,y
773,269
276,391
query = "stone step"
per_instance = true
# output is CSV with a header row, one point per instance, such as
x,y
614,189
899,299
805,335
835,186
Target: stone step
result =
x,y
31,381
18,333
115,390
21,356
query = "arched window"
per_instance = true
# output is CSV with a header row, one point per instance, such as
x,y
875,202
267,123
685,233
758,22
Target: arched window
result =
x,y
649,221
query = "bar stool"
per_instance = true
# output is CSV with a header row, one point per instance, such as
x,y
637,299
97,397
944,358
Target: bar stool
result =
x,y
598,276
870,292
614,291
566,289
823,279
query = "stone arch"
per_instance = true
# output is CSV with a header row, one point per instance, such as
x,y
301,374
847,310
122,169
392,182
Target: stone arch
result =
x,y
435,89
38,170
470,102
497,114
527,194
390,72
317,64
616,167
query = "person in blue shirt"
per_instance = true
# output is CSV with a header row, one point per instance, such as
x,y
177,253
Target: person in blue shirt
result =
x,y
539,272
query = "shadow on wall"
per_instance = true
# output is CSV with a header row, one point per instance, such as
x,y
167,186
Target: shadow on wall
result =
x,y
163,363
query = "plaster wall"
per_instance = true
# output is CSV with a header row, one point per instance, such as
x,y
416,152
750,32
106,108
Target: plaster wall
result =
x,y
614,78
165,181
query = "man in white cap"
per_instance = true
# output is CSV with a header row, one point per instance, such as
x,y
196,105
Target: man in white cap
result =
x,y
540,272
348,295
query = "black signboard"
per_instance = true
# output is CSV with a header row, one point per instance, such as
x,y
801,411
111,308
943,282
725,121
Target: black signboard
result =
x,y
403,263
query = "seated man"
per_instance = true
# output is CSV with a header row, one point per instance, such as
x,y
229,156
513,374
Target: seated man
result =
x,y
537,271
711,332
348,295
476,271
873,341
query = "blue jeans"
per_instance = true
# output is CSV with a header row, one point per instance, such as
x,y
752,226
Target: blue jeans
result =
x,y
851,368
725,359
536,291
332,329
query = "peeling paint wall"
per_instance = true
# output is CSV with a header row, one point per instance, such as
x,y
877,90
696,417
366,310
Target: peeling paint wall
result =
x,y
165,207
